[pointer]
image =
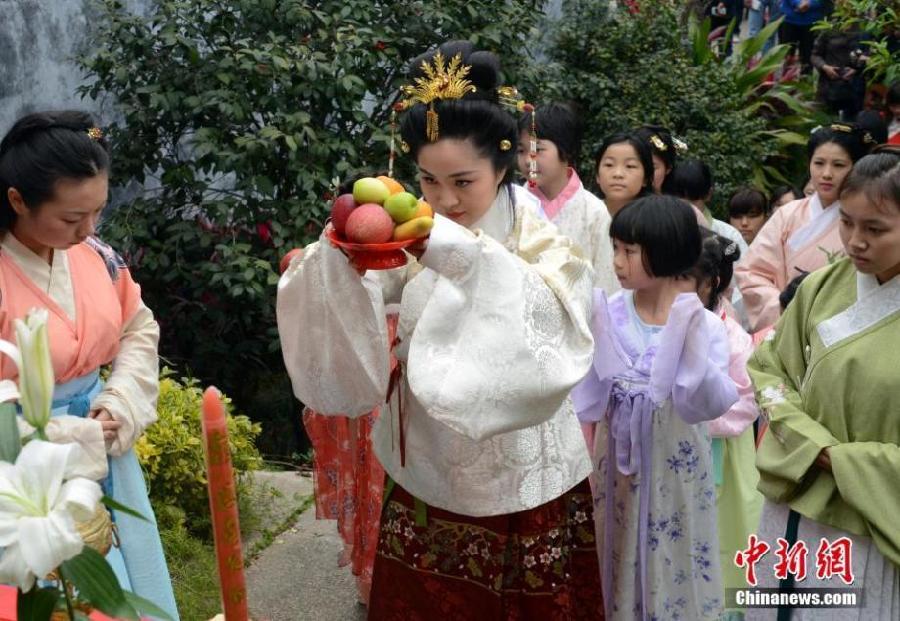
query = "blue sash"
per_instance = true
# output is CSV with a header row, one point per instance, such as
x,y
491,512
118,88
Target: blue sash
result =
x,y
138,562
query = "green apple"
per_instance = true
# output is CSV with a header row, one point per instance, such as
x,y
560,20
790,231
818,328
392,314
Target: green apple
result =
x,y
402,206
370,190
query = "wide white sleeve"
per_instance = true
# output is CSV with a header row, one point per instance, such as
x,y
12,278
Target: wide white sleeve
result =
x,y
131,392
86,432
503,338
333,333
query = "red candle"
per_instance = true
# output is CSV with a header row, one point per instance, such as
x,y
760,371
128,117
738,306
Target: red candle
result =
x,y
223,504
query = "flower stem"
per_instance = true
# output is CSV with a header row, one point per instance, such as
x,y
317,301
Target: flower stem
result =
x,y
65,588
41,435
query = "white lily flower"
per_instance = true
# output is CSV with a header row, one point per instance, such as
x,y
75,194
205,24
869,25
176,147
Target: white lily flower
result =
x,y
38,508
36,378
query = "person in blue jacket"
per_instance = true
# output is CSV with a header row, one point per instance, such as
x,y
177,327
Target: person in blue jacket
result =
x,y
796,30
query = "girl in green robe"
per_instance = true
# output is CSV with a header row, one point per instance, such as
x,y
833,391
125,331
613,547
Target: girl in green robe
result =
x,y
828,380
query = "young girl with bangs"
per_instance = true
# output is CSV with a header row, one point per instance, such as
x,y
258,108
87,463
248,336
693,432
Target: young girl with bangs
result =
x,y
660,371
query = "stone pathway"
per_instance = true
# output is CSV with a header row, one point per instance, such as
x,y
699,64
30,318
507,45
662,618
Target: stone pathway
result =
x,y
296,578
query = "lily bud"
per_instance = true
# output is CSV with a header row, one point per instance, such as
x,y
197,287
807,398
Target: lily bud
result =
x,y
36,378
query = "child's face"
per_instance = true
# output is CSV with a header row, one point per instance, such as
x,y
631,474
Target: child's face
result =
x,y
895,111
628,262
871,235
551,168
620,173
748,224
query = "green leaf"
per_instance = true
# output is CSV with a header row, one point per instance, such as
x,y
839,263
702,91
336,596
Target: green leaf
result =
x,y
112,504
37,604
10,442
146,607
96,583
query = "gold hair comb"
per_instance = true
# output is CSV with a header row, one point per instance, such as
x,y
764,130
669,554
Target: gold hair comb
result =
x,y
95,133
442,81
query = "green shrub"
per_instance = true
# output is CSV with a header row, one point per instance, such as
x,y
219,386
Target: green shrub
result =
x,y
171,451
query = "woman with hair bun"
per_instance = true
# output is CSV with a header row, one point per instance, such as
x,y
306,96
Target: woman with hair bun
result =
x,y
54,181
487,511
803,235
827,381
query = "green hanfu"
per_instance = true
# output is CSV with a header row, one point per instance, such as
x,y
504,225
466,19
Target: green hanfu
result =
x,y
829,377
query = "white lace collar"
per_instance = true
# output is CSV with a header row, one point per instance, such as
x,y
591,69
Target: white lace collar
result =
x,y
498,221
874,303
820,220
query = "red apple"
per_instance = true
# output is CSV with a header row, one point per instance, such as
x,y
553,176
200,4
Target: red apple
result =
x,y
369,224
340,210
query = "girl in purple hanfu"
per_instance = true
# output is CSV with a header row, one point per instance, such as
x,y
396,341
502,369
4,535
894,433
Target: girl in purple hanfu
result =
x,y
660,371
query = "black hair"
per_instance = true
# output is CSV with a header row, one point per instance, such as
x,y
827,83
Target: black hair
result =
x,y
665,228
716,264
785,297
871,121
643,152
780,190
41,149
878,176
690,179
650,134
748,201
893,94
477,116
560,124
851,138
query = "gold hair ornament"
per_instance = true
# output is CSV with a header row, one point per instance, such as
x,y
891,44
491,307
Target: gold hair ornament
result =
x,y
680,145
658,143
442,81
844,128
505,145
95,133
509,96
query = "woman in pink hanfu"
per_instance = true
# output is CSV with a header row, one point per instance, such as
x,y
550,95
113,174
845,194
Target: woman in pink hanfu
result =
x,y
803,235
53,187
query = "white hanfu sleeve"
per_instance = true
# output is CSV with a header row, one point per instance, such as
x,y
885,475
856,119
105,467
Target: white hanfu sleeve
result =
x,y
504,336
333,333
131,392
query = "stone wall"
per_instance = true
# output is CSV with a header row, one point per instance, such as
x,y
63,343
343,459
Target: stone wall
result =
x,y
39,40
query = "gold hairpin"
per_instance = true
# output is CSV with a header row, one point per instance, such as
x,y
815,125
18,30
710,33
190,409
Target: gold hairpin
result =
x,y
505,145
95,133
442,81
657,142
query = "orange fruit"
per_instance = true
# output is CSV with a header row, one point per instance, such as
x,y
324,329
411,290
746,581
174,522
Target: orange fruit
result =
x,y
393,185
424,210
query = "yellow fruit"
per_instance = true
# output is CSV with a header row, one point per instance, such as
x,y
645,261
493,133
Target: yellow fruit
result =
x,y
393,185
413,229
424,210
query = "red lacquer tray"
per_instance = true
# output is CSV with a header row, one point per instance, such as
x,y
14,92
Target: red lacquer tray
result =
x,y
371,256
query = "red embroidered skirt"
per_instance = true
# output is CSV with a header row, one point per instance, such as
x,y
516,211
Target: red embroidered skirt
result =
x,y
538,564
